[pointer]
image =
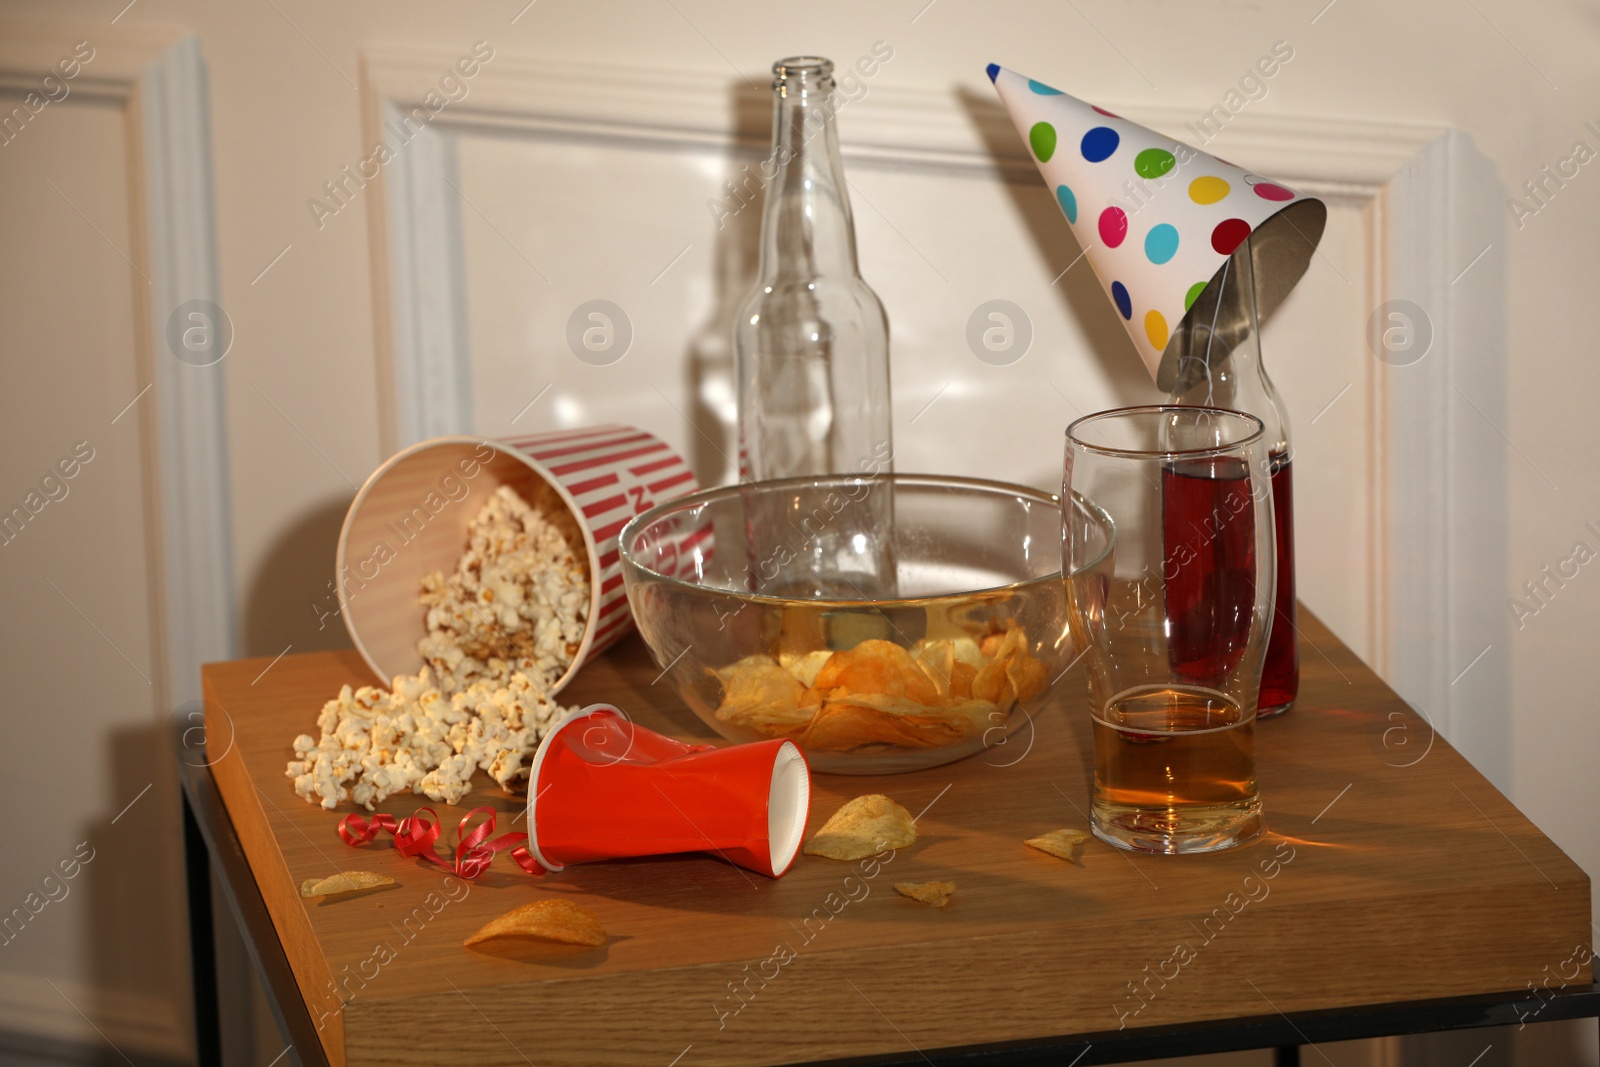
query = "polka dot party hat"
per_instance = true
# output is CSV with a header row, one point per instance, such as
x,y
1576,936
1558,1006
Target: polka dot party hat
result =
x,y
1157,218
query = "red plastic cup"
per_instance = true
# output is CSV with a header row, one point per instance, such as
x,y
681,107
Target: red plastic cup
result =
x,y
411,518
604,788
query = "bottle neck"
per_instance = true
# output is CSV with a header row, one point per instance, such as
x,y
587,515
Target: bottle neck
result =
x,y
806,228
1219,352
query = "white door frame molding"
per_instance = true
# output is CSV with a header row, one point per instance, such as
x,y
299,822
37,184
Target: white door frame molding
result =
x,y
171,110
1405,179
158,81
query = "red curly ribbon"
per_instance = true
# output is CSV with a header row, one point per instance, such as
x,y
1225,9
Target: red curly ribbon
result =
x,y
415,836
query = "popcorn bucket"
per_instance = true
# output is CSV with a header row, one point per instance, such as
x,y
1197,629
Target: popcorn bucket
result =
x,y
411,517
604,788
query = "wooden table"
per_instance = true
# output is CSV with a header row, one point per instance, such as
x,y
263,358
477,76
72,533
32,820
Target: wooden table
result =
x,y
1397,891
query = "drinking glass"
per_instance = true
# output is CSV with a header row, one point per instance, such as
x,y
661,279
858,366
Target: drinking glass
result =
x,y
1177,627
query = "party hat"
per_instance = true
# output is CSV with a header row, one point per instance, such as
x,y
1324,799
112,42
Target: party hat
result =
x,y
1158,218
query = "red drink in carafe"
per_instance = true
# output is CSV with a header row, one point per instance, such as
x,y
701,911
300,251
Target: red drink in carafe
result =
x,y
1280,674
1208,531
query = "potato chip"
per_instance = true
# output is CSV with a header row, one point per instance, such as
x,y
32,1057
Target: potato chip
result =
x,y
1012,674
551,919
344,882
902,707
941,691
846,723
805,667
1026,675
757,693
941,660
992,682
936,894
974,717
961,678
967,651
862,669
864,827
756,680
1062,843
936,659
875,667
944,725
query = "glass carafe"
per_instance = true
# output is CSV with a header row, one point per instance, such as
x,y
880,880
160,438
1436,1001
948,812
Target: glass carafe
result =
x,y
1220,365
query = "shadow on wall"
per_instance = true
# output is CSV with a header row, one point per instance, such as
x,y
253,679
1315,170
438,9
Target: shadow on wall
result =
x,y
292,602
131,899
130,902
711,375
1481,713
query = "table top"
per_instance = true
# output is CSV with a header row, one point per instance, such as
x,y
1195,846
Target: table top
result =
x,y
1392,871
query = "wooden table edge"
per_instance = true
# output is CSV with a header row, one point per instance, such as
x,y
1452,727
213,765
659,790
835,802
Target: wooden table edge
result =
x,y
1224,1034
1510,1007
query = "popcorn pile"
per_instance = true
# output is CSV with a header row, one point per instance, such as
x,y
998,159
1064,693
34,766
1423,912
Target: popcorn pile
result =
x,y
501,631
518,600
377,742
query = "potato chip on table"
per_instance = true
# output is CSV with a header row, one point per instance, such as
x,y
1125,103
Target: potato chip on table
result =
x,y
1062,843
934,894
343,882
551,919
863,827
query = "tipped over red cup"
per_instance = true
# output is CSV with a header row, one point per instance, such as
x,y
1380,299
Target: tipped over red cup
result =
x,y
602,787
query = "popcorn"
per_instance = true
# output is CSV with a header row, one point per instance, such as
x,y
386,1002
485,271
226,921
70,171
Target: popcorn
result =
x,y
518,600
449,782
502,629
376,743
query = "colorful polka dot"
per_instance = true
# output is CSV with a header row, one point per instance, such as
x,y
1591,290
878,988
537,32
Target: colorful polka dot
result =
x,y
1124,302
1043,139
1113,226
1153,162
1229,234
1207,190
1269,191
1193,294
1107,114
1161,243
1155,328
1042,89
1099,143
993,70
1068,202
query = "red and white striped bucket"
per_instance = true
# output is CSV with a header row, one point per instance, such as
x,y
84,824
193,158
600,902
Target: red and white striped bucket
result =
x,y
411,518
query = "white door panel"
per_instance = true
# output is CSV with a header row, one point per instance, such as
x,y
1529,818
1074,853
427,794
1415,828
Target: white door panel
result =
x,y
553,221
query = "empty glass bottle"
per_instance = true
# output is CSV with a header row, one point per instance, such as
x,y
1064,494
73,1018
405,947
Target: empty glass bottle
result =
x,y
811,340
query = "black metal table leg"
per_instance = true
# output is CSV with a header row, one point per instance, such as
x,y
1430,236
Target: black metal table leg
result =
x,y
202,942
1286,1056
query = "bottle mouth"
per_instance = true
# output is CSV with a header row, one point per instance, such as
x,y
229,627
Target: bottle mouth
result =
x,y
803,71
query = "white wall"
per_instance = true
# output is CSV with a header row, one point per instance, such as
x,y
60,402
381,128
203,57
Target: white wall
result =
x,y
89,787
305,422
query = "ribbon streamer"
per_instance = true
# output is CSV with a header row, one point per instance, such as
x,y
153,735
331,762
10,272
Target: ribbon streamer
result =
x,y
416,835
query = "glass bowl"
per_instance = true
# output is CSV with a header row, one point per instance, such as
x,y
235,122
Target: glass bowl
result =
x,y
883,623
